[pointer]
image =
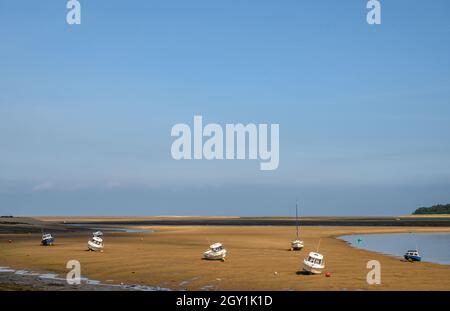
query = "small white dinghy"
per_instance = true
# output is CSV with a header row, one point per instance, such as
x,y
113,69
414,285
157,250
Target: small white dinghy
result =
x,y
297,244
95,244
215,252
314,263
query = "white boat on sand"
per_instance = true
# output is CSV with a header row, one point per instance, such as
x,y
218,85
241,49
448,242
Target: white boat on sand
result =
x,y
215,252
95,244
297,244
314,263
47,239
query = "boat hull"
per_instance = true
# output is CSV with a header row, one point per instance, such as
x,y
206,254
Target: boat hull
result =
x,y
297,245
310,270
412,258
313,269
47,242
94,247
208,255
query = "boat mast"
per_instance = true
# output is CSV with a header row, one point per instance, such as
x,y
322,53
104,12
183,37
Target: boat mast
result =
x,y
296,216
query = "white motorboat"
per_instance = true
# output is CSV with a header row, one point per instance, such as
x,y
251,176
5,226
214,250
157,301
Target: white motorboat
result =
x,y
297,244
215,252
47,239
314,263
95,244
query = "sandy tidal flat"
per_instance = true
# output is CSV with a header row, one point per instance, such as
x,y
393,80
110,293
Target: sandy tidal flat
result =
x,y
258,259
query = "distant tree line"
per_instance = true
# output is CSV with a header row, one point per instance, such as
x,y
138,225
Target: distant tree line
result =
x,y
435,209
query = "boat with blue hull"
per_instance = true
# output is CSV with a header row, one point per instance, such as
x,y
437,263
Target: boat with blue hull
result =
x,y
47,239
412,255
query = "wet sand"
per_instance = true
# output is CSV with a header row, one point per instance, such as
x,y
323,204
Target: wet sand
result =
x,y
258,259
23,282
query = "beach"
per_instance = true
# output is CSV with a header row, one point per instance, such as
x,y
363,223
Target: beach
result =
x,y
258,258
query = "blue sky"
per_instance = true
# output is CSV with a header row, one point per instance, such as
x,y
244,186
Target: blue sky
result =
x,y
86,111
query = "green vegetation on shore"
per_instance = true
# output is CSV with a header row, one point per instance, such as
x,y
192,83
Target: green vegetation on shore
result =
x,y
435,209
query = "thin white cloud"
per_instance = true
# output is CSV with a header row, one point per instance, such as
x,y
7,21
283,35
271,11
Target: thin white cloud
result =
x,y
44,187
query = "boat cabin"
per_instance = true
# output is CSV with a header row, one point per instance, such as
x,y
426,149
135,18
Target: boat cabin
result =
x,y
216,247
412,253
315,258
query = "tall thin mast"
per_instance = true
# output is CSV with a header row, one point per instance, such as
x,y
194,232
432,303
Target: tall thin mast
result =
x,y
296,216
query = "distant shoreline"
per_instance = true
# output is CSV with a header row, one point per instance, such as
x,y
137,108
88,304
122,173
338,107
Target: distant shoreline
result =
x,y
408,221
65,224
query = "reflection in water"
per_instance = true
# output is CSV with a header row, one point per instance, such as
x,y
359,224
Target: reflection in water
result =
x,y
433,247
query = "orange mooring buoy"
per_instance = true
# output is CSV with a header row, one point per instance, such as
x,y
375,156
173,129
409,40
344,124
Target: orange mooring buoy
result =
x,y
327,274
